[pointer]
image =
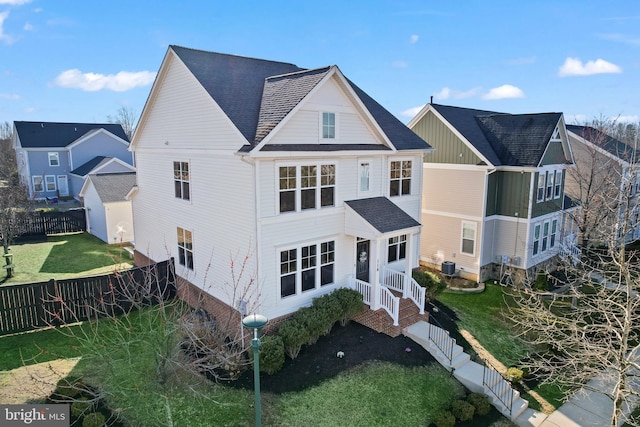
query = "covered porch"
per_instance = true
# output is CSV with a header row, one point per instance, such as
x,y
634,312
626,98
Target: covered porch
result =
x,y
386,249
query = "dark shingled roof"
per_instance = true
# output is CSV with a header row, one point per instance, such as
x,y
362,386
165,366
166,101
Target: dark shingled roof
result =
x,y
604,141
113,187
84,169
504,139
257,94
323,147
50,134
384,215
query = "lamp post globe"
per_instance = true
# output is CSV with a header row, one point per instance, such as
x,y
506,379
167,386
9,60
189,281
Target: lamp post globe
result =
x,y
256,322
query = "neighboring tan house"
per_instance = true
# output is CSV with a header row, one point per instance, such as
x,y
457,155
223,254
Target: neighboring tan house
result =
x,y
606,184
493,191
106,198
296,171
54,158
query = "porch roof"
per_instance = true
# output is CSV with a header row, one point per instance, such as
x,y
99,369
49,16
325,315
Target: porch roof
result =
x,y
376,216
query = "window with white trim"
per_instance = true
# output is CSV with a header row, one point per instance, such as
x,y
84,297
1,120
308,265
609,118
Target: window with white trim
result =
x,y
185,248
328,125
549,194
397,248
545,236
181,180
38,183
315,188
468,244
558,189
364,176
400,178
54,159
554,231
536,239
50,182
541,182
302,270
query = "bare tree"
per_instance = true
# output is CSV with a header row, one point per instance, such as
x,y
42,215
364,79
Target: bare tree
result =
x,y
589,338
127,117
6,131
14,198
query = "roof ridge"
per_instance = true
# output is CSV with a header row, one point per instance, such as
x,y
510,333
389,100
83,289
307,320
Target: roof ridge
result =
x,y
172,46
310,70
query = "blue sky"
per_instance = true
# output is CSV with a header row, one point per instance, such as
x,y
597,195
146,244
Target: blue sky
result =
x,y
80,61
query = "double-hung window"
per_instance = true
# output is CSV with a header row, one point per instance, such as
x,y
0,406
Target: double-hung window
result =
x,y
400,178
306,268
328,125
536,239
364,176
38,184
557,191
54,158
549,193
554,230
468,238
545,235
181,180
314,188
397,248
540,193
50,182
185,248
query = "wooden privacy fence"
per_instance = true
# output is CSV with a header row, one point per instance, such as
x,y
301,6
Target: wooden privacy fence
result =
x,y
57,302
40,223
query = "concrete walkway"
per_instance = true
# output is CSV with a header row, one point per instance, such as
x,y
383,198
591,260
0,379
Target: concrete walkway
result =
x,y
584,409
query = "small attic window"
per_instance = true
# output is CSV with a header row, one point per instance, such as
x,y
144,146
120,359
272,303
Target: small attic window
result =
x,y
328,125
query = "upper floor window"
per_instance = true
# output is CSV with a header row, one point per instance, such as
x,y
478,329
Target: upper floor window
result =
x,y
328,125
181,180
306,268
364,176
536,239
541,182
400,178
549,193
185,248
558,189
54,159
315,188
554,231
50,182
38,184
468,238
397,248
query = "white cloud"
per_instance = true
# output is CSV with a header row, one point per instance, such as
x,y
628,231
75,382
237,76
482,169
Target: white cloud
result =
x,y
575,67
504,92
414,38
578,119
91,82
620,38
446,93
6,38
28,27
411,112
14,2
399,64
11,96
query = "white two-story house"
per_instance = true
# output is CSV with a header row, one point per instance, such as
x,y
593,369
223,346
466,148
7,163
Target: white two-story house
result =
x,y
294,176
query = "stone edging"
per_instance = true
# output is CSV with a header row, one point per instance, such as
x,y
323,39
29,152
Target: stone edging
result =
x,y
477,290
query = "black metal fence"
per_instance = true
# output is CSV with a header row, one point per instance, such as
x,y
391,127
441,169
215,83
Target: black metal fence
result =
x,y
56,302
39,224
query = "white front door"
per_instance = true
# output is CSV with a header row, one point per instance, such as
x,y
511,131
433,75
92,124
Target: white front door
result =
x,y
63,185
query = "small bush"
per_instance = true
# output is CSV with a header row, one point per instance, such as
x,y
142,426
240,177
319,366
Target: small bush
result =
x,y
432,284
542,282
94,419
350,302
444,419
331,309
271,354
462,410
480,402
294,335
515,375
80,407
313,320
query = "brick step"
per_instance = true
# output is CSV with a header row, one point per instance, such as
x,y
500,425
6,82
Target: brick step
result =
x,y
380,321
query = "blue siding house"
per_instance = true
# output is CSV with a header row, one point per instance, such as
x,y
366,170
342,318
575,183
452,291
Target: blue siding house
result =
x,y
55,158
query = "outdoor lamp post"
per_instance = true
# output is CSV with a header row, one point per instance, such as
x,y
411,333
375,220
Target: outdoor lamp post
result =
x,y
256,322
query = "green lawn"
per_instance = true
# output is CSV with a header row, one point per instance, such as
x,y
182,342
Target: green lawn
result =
x,y
65,256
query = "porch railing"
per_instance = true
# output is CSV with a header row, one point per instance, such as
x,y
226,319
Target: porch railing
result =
x,y
363,287
390,303
441,339
405,284
496,384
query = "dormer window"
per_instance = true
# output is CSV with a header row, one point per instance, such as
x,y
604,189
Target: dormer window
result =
x,y
54,159
328,125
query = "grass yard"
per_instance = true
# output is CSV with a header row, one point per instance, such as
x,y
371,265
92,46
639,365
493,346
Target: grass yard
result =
x,y
64,257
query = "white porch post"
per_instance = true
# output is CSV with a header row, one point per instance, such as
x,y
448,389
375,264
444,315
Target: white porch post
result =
x,y
375,277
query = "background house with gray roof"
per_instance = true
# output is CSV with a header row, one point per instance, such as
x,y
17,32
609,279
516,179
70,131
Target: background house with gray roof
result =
x,y
493,195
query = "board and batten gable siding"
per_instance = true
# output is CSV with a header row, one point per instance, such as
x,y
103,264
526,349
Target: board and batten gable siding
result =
x,y
303,127
448,147
182,115
508,193
100,144
554,154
